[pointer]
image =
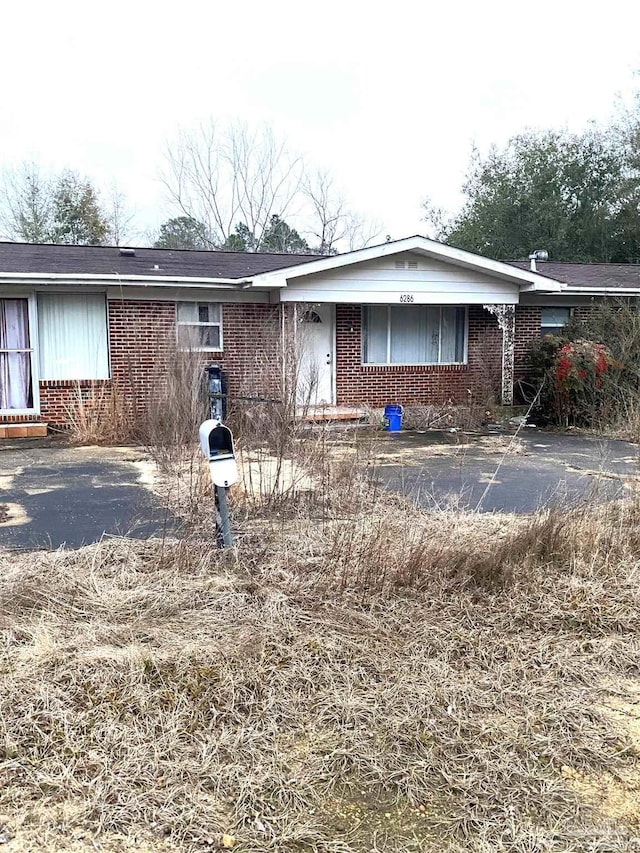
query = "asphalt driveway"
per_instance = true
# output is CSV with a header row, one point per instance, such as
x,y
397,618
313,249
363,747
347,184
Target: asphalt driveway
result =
x,y
494,473
57,495
54,495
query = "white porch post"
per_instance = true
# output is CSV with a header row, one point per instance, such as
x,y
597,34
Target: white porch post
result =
x,y
506,317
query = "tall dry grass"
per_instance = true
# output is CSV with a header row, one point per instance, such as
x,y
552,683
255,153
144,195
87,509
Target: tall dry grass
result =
x,y
363,677
99,413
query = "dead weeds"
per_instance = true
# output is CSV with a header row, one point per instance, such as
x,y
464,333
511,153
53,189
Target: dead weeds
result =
x,y
358,675
291,698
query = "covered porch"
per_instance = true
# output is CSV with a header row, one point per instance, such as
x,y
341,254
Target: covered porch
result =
x,y
352,355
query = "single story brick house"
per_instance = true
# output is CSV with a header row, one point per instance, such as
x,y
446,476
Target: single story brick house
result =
x,y
410,321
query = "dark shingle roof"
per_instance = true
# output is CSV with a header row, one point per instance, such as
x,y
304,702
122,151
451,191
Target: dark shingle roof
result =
x,y
107,260
595,276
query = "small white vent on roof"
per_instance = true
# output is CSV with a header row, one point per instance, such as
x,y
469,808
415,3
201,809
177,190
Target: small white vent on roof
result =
x,y
412,265
400,265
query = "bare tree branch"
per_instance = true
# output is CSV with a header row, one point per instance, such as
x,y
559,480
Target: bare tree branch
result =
x,y
333,224
120,217
224,176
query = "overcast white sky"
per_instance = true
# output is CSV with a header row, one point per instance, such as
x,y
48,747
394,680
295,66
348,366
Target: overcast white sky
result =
x,y
387,96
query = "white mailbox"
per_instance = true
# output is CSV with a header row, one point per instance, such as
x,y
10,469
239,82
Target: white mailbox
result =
x,y
216,441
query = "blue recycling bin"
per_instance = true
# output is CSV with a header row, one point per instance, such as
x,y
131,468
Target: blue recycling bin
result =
x,y
393,418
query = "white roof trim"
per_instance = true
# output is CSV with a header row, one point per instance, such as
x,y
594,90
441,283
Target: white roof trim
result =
x,y
525,278
596,291
115,278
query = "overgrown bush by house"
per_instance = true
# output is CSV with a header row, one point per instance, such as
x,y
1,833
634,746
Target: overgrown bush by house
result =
x,y
577,381
589,374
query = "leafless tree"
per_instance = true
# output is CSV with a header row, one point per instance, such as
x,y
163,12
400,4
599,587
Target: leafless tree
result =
x,y
226,175
26,210
334,226
120,216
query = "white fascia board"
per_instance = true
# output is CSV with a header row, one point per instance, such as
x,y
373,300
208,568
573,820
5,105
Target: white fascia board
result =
x,y
525,278
544,285
603,291
111,279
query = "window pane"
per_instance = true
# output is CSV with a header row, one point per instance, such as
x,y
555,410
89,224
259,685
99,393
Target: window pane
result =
x,y
72,330
433,335
210,337
453,322
14,324
557,317
375,334
187,337
187,312
208,312
409,334
16,389
198,337
461,333
15,381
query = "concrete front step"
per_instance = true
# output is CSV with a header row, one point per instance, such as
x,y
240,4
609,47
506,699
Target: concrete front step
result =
x,y
331,413
20,430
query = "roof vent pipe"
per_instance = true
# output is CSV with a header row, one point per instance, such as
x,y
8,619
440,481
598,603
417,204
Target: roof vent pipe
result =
x,y
538,255
127,253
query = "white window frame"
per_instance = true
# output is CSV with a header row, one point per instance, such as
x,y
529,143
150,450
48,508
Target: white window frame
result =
x,y
208,325
389,363
32,312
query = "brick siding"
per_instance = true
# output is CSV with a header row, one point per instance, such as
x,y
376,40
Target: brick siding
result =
x,y
142,342
59,397
527,333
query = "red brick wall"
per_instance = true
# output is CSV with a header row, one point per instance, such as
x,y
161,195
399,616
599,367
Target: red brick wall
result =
x,y
60,396
527,333
376,385
142,340
142,336
252,357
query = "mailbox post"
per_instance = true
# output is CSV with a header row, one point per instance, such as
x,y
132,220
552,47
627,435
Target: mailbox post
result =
x,y
216,443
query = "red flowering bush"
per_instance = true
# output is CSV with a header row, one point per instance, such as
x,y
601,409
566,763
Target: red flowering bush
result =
x,y
580,375
578,381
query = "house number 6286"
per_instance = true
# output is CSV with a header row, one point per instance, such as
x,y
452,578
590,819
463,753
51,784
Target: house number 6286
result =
x,y
406,297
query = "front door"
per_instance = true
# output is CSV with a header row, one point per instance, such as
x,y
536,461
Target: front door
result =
x,y
315,355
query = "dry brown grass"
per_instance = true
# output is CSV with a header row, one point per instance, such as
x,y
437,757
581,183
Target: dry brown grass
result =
x,y
359,676
99,414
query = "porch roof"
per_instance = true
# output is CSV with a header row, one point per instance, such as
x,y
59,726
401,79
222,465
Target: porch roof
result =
x,y
524,279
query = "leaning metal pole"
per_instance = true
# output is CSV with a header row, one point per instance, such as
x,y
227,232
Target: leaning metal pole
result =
x,y
223,522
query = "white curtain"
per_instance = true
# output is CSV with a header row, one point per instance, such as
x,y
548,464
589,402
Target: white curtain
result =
x,y
72,336
375,334
410,334
15,367
448,352
419,334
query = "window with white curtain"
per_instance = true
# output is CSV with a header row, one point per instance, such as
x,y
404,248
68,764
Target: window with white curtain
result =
x,y
413,334
16,383
72,336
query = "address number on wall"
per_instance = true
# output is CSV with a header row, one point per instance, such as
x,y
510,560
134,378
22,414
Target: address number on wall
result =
x,y
406,297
